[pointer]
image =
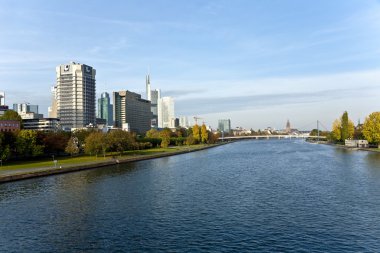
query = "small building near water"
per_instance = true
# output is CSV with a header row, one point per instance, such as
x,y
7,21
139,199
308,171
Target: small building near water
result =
x,y
356,143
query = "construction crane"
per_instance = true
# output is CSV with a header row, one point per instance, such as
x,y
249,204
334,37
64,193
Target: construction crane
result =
x,y
196,119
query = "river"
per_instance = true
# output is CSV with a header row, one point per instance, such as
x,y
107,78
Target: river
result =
x,y
267,195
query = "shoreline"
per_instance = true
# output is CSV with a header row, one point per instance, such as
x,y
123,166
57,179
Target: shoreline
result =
x,y
41,172
350,148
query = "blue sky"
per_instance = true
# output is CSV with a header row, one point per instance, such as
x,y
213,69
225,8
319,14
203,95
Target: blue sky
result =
x,y
256,62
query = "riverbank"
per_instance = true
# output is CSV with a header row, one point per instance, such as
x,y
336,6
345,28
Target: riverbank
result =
x,y
7,175
376,150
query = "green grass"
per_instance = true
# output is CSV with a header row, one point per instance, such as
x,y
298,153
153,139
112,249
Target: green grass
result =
x,y
83,159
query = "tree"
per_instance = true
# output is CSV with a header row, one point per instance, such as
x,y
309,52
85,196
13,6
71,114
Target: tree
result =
x,y
55,143
5,151
347,127
152,133
26,144
336,130
204,134
196,133
190,140
96,143
72,146
165,138
11,115
120,141
371,128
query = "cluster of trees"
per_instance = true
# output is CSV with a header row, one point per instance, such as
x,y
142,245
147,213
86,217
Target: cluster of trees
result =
x,y
193,135
29,143
343,128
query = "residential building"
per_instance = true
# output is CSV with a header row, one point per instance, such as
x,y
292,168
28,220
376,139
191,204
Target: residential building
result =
x,y
43,124
9,125
165,109
131,112
75,94
356,143
105,108
224,125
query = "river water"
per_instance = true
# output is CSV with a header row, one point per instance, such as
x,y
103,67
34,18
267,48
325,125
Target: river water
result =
x,y
267,195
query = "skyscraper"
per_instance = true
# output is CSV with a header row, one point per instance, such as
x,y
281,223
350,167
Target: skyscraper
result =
x,y
166,114
105,108
131,112
75,95
153,96
224,125
2,98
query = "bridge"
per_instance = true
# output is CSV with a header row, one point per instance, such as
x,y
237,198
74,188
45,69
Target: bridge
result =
x,y
280,136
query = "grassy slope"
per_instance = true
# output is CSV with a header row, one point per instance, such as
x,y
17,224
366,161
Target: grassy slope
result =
x,y
83,159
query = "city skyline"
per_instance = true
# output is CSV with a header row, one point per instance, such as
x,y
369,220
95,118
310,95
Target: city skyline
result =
x,y
256,63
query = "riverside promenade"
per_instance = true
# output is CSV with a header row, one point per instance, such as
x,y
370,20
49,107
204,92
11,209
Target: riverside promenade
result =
x,y
7,175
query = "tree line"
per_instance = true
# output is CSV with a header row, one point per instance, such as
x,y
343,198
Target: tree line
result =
x,y
26,144
343,128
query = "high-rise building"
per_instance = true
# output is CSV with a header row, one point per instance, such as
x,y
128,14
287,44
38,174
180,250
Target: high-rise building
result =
x,y
25,108
224,125
52,110
105,108
166,113
153,96
27,111
75,95
183,122
131,112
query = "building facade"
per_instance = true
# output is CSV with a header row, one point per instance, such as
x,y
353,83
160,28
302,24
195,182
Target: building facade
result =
x,y
27,111
105,108
9,125
45,124
52,110
165,109
131,112
224,125
75,95
183,122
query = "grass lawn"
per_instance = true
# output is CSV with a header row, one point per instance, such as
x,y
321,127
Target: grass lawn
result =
x,y
83,159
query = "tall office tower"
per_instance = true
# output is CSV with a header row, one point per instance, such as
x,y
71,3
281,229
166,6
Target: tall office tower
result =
x,y
75,95
224,125
131,112
165,109
147,86
155,96
183,122
52,110
105,108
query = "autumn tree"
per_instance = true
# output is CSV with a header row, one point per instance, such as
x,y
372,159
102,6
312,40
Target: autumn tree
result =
x,y
336,130
152,133
165,138
72,146
371,128
204,134
120,141
96,143
196,133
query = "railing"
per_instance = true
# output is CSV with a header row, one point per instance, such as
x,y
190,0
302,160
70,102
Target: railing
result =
x,y
272,137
